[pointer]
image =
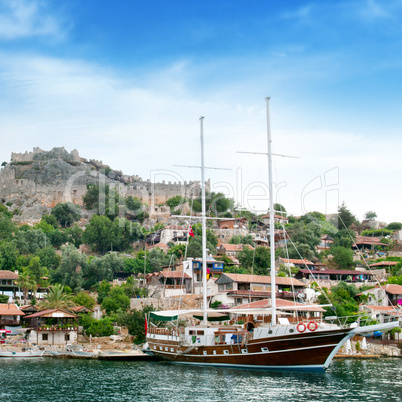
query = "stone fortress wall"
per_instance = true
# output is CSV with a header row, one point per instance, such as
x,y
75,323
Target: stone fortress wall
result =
x,y
41,179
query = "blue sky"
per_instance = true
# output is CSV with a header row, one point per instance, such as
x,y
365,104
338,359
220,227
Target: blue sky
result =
x,y
126,82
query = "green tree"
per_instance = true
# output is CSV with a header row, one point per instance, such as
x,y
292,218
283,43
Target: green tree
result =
x,y
7,227
58,238
30,241
135,322
370,216
342,257
175,201
48,258
84,299
103,291
8,256
74,235
279,209
133,204
36,271
51,220
71,267
102,327
27,284
99,233
66,213
116,301
57,298
394,226
345,217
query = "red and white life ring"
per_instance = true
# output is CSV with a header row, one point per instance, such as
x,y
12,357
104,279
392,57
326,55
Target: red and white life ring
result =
x,y
301,327
312,326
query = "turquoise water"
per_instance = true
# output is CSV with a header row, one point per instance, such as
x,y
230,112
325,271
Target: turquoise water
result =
x,y
78,380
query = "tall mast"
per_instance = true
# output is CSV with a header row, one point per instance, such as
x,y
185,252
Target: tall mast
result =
x,y
204,228
271,218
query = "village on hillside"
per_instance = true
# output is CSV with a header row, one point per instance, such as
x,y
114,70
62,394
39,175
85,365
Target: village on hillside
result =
x,y
90,260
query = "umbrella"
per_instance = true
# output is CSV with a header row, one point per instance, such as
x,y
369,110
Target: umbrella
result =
x,y
348,347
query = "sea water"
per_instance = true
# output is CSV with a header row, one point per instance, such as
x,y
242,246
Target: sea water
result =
x,y
46,379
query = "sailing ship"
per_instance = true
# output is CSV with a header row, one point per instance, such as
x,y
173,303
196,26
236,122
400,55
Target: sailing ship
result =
x,y
278,345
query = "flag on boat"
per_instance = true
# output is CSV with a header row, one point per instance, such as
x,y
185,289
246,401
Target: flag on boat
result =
x,y
190,232
146,326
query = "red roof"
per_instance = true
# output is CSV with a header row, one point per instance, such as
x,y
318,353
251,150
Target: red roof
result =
x,y
384,264
393,289
4,274
380,308
294,261
46,312
281,304
235,247
10,309
335,272
286,281
175,274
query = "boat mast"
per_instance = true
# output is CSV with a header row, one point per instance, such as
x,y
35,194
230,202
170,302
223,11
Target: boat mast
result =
x,y
271,218
204,229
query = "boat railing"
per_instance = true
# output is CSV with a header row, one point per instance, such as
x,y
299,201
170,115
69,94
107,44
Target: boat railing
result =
x,y
163,331
361,320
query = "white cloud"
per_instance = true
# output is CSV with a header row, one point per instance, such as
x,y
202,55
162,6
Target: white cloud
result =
x,y
24,18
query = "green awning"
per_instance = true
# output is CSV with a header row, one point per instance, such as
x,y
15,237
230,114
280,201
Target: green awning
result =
x,y
213,317
163,317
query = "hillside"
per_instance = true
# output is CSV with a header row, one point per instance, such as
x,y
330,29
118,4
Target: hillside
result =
x,y
34,182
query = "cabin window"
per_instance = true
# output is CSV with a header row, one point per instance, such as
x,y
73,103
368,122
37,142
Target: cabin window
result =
x,y
44,337
264,349
191,332
205,352
171,349
154,347
214,352
200,332
244,351
160,348
225,352
67,337
167,349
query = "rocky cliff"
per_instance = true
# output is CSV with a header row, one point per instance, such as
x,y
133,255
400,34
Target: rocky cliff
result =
x,y
34,182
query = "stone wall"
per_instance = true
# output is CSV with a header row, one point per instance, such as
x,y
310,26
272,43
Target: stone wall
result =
x,y
34,182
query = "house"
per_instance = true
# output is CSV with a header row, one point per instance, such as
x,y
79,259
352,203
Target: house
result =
x,y
53,327
237,289
334,275
368,243
234,223
161,246
174,234
233,249
193,268
386,295
384,264
325,244
82,310
174,283
10,315
29,309
380,313
277,219
292,263
8,285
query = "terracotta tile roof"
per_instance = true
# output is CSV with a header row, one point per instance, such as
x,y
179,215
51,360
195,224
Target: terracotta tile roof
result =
x,y
158,245
335,272
236,247
10,309
380,308
8,275
393,289
384,264
294,261
368,240
78,309
281,304
48,313
264,279
174,274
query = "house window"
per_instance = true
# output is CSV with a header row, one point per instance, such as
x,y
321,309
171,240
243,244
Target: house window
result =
x,y
44,337
229,286
67,337
221,287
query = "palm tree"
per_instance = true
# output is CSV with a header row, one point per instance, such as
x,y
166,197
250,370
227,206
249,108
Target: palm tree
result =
x,y
57,298
27,284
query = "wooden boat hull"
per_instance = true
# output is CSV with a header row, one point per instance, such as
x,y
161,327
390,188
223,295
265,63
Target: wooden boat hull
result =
x,y
307,351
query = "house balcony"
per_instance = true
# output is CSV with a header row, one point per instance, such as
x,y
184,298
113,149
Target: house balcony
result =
x,y
9,322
